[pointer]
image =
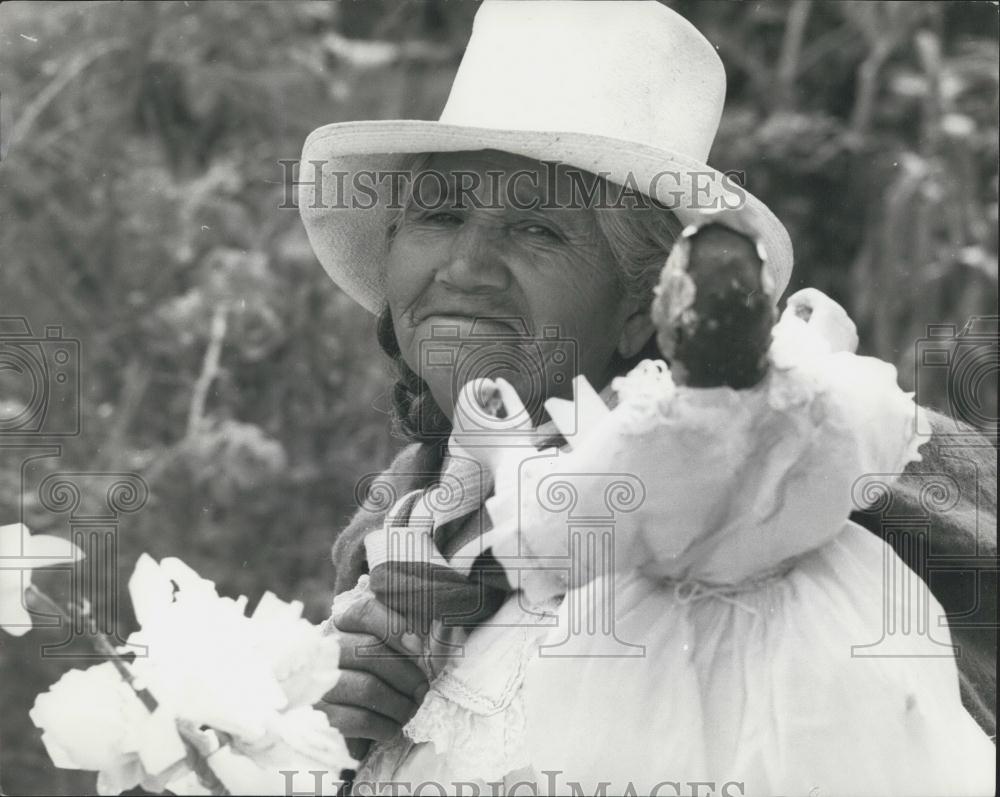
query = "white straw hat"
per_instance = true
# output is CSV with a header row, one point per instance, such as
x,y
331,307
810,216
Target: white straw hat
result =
x,y
627,90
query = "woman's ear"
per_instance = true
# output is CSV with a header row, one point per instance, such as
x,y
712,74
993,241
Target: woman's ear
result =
x,y
636,332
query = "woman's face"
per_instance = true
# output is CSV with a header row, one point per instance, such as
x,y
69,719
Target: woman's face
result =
x,y
482,283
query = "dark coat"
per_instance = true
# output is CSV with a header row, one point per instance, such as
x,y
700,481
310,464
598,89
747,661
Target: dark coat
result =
x,y
941,519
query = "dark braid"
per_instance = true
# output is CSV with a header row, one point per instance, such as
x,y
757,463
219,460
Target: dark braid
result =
x,y
415,414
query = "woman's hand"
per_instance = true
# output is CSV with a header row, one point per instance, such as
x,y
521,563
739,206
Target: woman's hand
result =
x,y
380,685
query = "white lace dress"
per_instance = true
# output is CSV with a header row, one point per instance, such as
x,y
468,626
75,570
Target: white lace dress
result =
x,y
470,728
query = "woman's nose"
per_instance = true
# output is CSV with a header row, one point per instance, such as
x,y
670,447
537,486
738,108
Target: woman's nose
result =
x,y
474,262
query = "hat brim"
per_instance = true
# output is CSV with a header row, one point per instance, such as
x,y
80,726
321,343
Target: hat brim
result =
x,y
350,242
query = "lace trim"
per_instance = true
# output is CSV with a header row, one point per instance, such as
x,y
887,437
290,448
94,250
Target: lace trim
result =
x,y
645,395
480,735
475,746
383,760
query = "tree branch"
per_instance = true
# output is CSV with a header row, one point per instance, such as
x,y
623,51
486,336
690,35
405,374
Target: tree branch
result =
x,y
791,48
63,78
209,370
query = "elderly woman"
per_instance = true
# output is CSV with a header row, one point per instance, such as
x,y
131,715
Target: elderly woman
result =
x,y
521,236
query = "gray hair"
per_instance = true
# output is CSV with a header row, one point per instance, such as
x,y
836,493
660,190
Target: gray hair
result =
x,y
640,239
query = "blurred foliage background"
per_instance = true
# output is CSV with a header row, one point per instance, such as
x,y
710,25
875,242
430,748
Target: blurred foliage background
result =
x,y
140,194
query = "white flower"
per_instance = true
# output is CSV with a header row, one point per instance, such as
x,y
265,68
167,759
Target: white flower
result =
x,y
211,664
251,680
199,658
254,678
91,719
300,657
20,553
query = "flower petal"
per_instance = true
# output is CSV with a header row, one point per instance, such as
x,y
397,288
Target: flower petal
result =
x,y
14,618
241,775
51,550
150,590
159,744
187,580
12,539
89,717
61,758
124,774
20,549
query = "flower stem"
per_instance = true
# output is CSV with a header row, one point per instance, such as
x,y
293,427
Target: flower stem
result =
x,y
100,642
196,760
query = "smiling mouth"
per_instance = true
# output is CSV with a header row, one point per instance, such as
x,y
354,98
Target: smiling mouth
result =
x,y
478,324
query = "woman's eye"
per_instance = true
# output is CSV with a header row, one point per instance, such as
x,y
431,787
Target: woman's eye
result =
x,y
542,230
442,219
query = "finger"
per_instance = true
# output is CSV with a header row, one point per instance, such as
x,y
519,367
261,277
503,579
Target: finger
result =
x,y
368,691
368,616
363,653
359,722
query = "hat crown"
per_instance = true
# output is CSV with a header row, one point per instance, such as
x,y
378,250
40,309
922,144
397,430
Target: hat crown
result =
x,y
628,90
632,70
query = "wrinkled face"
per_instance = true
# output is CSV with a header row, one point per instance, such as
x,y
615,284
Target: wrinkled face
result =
x,y
484,280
